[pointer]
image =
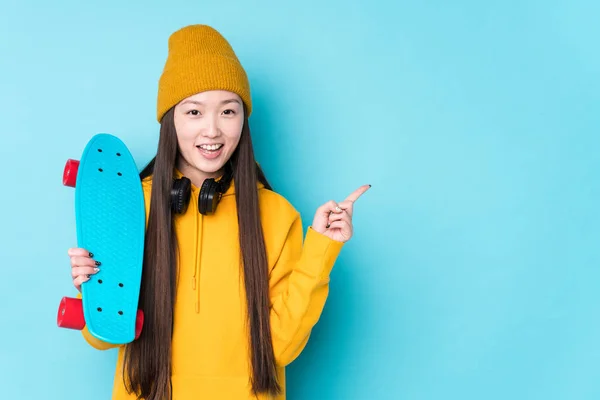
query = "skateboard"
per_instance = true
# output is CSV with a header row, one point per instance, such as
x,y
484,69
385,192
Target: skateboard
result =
x,y
111,222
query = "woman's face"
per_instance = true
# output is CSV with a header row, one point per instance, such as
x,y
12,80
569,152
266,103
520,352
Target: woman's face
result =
x,y
209,126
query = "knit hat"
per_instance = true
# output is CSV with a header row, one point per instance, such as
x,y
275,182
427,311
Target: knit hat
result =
x,y
200,59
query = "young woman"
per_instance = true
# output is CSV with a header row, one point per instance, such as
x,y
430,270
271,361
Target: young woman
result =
x,y
231,287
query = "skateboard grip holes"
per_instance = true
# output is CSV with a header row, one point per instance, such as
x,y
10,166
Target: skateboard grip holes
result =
x,y
118,154
99,309
120,174
100,169
120,285
99,150
120,312
99,280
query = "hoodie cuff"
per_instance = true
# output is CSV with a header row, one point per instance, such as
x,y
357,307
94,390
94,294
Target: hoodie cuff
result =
x,y
320,253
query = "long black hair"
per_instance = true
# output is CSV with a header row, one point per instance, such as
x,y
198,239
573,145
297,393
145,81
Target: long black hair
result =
x,y
147,367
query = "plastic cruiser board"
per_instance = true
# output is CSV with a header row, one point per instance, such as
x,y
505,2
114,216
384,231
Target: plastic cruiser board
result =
x,y
111,223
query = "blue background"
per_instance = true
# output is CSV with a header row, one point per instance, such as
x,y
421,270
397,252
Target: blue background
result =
x,y
474,270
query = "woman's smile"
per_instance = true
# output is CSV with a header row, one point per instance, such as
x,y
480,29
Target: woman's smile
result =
x,y
211,151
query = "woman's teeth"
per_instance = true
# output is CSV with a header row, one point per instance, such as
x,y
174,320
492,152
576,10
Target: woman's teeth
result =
x,y
211,151
212,147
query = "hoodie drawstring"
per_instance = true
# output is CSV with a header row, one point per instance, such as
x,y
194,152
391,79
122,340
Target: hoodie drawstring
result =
x,y
198,257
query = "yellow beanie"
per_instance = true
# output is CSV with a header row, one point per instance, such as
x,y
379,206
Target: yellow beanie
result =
x,y
200,59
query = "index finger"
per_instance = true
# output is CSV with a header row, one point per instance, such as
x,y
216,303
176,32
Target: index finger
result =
x,y
357,193
78,251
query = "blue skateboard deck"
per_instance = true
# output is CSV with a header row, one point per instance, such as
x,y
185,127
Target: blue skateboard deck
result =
x,y
111,222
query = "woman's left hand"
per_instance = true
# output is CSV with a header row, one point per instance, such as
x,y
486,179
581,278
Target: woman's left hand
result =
x,y
334,220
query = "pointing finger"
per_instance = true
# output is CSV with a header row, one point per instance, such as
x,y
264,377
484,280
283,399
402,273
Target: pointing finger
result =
x,y
357,193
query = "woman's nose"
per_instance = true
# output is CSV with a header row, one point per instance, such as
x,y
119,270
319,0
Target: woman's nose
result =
x,y
212,130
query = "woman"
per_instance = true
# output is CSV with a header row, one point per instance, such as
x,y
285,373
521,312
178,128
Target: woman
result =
x,y
229,290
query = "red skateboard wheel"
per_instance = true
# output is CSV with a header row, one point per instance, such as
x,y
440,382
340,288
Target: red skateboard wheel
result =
x,y
70,173
70,314
139,323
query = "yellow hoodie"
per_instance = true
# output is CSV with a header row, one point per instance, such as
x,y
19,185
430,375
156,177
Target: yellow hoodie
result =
x,y
210,339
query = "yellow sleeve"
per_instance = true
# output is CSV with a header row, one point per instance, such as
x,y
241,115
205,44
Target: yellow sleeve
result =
x,y
94,342
299,285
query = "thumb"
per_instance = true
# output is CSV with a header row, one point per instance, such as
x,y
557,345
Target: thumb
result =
x,y
321,218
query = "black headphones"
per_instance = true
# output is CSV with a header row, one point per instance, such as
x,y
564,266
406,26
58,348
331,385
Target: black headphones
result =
x,y
209,196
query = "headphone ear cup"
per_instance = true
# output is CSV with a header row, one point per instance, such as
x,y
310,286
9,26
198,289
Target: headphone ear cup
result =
x,y
181,193
208,197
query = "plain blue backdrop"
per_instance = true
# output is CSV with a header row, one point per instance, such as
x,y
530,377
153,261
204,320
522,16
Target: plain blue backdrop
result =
x,y
474,269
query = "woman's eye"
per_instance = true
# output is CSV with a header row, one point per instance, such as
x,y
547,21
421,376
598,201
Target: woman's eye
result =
x,y
194,112
229,112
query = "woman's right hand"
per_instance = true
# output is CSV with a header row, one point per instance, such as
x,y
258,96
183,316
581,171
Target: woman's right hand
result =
x,y
82,266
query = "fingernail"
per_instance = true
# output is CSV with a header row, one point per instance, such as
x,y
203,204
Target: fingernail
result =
x,y
96,269
327,226
98,263
88,276
91,254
